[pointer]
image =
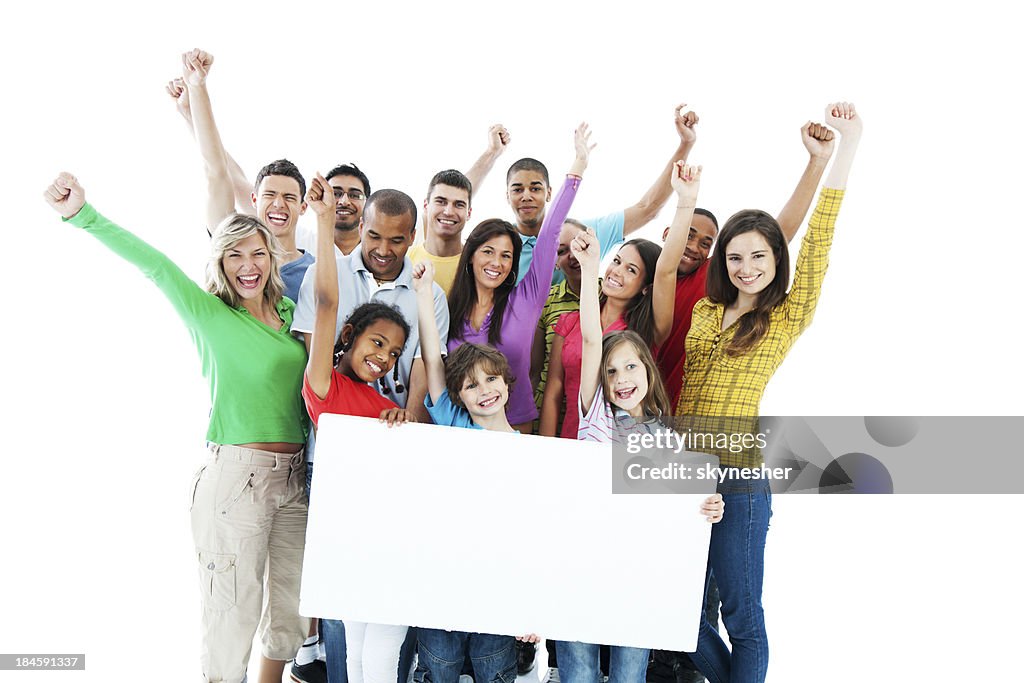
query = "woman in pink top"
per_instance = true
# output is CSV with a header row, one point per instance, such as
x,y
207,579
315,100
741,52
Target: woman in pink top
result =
x,y
637,293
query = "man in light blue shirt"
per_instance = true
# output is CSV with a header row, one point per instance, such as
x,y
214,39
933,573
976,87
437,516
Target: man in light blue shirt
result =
x,y
528,191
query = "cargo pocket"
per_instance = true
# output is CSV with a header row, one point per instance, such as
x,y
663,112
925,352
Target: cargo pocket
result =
x,y
217,581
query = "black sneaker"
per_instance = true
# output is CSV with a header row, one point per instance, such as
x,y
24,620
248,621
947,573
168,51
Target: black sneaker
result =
x,y
314,672
525,654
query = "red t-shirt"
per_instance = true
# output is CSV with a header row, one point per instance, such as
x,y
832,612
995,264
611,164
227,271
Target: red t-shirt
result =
x,y
568,327
671,356
344,397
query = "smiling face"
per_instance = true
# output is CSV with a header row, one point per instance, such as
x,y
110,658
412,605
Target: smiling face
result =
x,y
385,239
278,202
492,262
373,354
698,244
484,393
447,210
626,383
349,200
564,260
247,266
626,276
750,263
527,193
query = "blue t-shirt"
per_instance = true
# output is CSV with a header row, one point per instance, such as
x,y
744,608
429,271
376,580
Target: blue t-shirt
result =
x,y
293,272
444,412
607,228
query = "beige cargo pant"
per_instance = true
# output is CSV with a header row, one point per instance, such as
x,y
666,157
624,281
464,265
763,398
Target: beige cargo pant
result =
x,y
249,528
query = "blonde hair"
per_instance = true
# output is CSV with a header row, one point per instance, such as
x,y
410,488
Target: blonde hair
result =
x,y
232,230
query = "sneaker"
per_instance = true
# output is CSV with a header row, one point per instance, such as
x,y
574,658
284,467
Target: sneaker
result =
x,y
525,654
551,676
314,672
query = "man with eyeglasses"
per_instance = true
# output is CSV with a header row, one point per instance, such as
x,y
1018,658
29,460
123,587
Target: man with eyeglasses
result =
x,y
351,188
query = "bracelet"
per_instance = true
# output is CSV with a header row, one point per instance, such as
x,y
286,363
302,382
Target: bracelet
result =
x,y
574,175
686,206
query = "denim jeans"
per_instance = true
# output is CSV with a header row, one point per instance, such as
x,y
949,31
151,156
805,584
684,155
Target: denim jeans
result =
x,y
442,653
581,663
333,631
736,560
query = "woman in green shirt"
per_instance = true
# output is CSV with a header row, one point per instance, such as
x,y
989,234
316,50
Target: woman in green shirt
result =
x,y
249,501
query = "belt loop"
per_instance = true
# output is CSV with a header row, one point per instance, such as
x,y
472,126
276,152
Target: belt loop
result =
x,y
277,462
215,452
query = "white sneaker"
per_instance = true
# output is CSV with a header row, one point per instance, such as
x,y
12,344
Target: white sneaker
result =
x,y
551,676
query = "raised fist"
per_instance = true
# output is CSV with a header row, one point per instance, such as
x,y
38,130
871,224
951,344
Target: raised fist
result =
x,y
65,195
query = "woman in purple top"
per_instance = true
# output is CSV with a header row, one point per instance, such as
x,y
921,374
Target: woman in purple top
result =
x,y
486,305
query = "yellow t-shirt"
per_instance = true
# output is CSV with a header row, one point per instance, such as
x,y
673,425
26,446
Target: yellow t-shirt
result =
x,y
445,267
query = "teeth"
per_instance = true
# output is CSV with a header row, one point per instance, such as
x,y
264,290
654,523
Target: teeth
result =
x,y
445,222
373,366
491,273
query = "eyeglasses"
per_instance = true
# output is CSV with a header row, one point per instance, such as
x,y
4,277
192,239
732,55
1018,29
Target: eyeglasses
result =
x,y
353,195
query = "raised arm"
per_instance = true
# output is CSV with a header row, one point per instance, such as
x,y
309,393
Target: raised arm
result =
x,y
320,197
686,183
645,210
537,283
818,141
430,337
220,200
241,185
812,261
587,251
192,303
843,117
498,138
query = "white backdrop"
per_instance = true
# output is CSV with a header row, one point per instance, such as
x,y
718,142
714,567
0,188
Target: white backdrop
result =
x,y
105,409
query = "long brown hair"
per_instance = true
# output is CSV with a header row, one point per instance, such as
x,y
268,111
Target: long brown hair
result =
x,y
754,324
639,313
655,403
462,297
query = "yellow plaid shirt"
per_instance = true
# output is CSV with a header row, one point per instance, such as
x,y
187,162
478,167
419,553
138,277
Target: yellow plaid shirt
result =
x,y
717,385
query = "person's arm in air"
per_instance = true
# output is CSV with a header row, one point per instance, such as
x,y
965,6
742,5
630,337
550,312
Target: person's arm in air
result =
x,y
645,210
498,138
241,185
686,183
818,141
320,366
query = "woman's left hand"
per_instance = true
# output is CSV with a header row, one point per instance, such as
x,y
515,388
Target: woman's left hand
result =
x,y
529,638
713,508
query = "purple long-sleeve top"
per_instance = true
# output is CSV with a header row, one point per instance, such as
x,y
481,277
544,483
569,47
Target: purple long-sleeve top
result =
x,y
525,303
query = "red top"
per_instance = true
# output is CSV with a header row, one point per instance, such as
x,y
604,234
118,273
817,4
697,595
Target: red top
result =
x,y
568,327
344,397
671,356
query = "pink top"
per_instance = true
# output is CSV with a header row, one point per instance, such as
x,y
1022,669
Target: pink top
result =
x,y
568,327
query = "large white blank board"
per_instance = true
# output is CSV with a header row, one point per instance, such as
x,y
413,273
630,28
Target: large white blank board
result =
x,y
435,526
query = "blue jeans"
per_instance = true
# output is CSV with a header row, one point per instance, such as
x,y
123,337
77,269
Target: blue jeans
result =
x,y
581,663
736,560
442,654
333,631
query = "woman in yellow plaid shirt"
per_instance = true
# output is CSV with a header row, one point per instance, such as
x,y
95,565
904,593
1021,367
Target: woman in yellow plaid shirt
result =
x,y
740,334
